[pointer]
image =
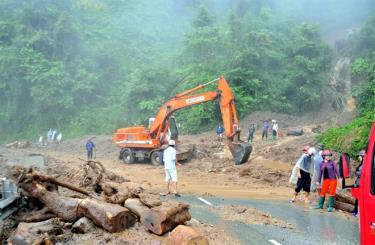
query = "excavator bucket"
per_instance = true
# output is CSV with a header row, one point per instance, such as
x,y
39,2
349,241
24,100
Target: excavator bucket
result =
x,y
240,151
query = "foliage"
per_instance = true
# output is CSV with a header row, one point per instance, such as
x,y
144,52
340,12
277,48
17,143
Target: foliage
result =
x,y
88,66
353,136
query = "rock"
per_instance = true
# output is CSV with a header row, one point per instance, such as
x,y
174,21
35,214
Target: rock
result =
x,y
184,235
294,132
83,225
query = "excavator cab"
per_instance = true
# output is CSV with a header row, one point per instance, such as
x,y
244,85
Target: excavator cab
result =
x,y
173,131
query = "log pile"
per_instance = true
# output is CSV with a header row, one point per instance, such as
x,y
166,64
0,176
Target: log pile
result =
x,y
118,207
344,202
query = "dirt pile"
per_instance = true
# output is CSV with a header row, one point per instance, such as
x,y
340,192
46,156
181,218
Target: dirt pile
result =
x,y
251,216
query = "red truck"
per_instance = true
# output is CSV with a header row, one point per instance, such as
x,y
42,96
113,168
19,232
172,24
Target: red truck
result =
x,y
365,192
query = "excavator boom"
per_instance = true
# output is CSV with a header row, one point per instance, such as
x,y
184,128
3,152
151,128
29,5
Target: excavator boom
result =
x,y
158,129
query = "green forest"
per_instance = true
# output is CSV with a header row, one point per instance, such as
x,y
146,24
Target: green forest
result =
x,y
353,137
88,66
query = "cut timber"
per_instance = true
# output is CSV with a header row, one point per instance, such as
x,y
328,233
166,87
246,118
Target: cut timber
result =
x,y
34,233
342,197
111,217
165,217
294,132
184,235
150,200
63,207
37,216
114,192
344,206
136,206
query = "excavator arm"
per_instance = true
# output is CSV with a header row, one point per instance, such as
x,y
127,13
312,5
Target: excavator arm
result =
x,y
240,150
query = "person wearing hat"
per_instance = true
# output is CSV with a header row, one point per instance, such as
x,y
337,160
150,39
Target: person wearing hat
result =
x,y
304,168
275,129
329,173
170,160
358,170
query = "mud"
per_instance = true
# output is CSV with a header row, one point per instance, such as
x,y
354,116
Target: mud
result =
x,y
211,173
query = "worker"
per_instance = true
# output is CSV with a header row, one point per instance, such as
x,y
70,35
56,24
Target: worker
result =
x,y
250,135
49,135
305,165
265,128
90,147
59,138
294,176
219,132
329,173
170,161
53,137
358,170
275,129
318,159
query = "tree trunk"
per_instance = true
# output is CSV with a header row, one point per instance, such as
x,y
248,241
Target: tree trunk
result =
x,y
111,217
184,235
342,197
165,217
344,206
136,206
35,233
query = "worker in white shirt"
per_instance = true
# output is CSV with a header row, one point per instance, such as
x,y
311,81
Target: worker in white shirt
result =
x,y
170,161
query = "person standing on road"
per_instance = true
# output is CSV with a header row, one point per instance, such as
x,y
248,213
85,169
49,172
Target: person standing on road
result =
x,y
330,173
265,128
170,161
294,176
305,165
90,147
358,170
250,135
318,159
275,129
219,132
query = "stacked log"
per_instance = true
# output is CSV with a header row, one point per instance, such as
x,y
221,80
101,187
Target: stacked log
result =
x,y
165,217
110,213
344,202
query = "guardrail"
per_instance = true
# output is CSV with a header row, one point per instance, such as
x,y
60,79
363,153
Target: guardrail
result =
x,y
9,196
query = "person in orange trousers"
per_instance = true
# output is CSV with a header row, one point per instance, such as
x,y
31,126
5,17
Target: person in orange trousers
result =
x,y
329,173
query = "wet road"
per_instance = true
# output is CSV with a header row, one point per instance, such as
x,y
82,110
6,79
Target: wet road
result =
x,y
312,226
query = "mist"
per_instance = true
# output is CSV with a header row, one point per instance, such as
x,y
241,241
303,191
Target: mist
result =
x,y
89,66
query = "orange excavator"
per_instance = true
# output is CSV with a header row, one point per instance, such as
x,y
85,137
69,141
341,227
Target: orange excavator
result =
x,y
149,143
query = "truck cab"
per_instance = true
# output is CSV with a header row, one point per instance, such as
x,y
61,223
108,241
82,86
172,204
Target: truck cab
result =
x,y
365,193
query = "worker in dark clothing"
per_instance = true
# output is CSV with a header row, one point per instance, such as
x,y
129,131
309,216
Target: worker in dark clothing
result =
x,y
266,126
358,170
90,147
219,132
250,135
305,168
